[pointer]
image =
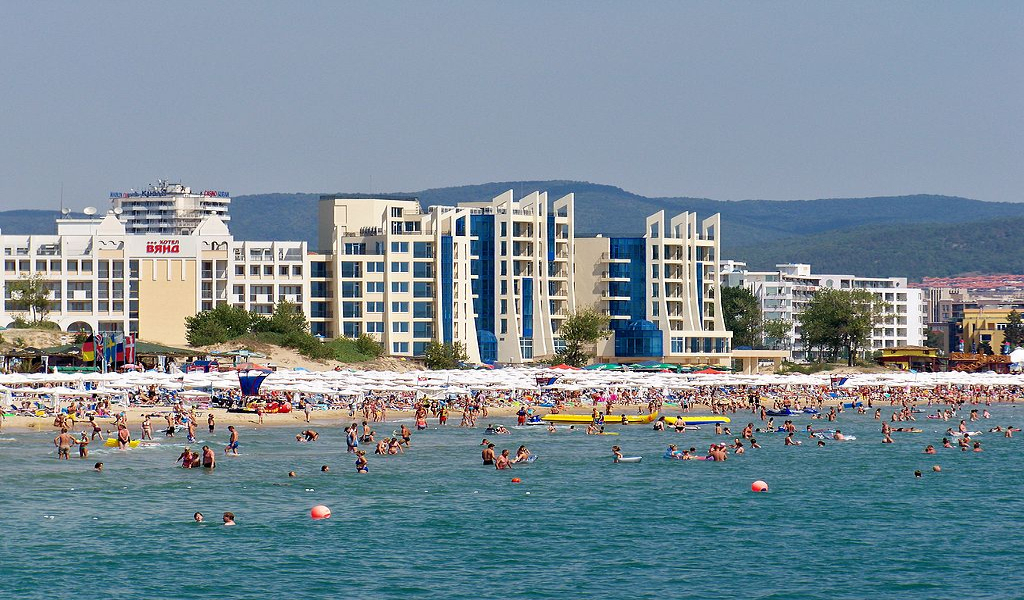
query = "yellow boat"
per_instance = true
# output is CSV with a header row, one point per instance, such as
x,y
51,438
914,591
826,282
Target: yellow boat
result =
x,y
608,419
696,420
112,443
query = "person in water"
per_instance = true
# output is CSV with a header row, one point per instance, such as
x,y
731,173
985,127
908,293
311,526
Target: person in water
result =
x,y
198,517
929,449
488,454
616,453
229,519
362,465
503,461
63,442
209,458
522,455
232,442
98,467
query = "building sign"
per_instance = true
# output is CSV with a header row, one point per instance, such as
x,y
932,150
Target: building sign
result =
x,y
161,194
163,247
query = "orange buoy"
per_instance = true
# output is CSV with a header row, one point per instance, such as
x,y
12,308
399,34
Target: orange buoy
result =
x,y
759,486
515,480
320,512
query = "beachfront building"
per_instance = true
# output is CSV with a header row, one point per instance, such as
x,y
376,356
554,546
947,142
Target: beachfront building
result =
x,y
104,279
166,208
784,292
660,289
496,276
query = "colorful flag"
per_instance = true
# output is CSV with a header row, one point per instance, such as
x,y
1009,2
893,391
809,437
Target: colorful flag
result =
x,y
88,350
129,349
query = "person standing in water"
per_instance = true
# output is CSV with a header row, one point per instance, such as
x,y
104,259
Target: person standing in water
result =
x,y
63,443
209,458
232,441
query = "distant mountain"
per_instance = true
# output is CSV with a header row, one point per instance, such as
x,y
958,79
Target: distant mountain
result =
x,y
891,235
906,250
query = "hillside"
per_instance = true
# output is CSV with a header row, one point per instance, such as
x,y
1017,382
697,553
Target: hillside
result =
x,y
913,250
889,235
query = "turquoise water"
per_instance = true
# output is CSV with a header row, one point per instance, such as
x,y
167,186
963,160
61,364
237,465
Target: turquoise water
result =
x,y
844,521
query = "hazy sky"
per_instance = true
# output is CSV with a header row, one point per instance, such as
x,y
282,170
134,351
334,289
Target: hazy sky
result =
x,y
728,100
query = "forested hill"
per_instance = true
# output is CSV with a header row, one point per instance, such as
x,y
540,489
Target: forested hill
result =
x,y
911,236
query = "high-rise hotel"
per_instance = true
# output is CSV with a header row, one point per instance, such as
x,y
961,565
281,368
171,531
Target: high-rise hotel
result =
x,y
499,276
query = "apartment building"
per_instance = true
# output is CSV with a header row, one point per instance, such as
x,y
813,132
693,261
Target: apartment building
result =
x,y
661,290
104,279
785,292
166,208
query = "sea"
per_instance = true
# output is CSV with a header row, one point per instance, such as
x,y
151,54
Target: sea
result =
x,y
847,520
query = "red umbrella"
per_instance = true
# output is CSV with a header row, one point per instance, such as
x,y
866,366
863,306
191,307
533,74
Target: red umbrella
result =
x,y
566,367
709,371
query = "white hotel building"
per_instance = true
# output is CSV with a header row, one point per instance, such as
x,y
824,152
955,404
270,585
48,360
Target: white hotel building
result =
x,y
784,293
499,276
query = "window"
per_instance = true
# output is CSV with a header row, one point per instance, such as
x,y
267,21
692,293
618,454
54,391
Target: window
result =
x,y
318,310
504,247
400,247
351,289
374,287
504,269
504,286
268,270
400,327
396,211
319,269
399,267
423,310
504,306
422,250
422,289
254,270
352,269
423,330
375,327
654,271
677,344
399,287
239,270
375,267
399,347
351,329
9,265
504,229
318,289
355,248
87,266
297,270
654,290
423,270
504,326
419,348
400,307
351,309
374,307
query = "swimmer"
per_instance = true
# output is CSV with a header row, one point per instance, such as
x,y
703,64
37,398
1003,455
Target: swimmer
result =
x,y
977,447
821,443
98,467
754,444
790,441
522,455
325,469
485,442
838,436
488,454
229,519
929,449
198,517
551,428
503,461
291,473
917,473
946,443
617,453
209,458
307,436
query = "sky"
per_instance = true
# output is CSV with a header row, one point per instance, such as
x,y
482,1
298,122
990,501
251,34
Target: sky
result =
x,y
725,100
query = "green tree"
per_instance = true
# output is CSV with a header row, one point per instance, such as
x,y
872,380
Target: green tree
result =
x,y
776,330
444,356
1014,332
742,314
580,331
933,339
223,323
31,294
838,320
287,318
365,344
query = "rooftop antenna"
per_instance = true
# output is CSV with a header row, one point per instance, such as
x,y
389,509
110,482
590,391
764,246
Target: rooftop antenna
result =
x,y
62,199
89,211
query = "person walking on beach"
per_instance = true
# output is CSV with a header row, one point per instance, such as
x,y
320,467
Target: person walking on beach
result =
x,y
307,407
210,422
232,441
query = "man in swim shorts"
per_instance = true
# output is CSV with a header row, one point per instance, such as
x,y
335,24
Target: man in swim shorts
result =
x,y
209,458
63,443
232,442
488,454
